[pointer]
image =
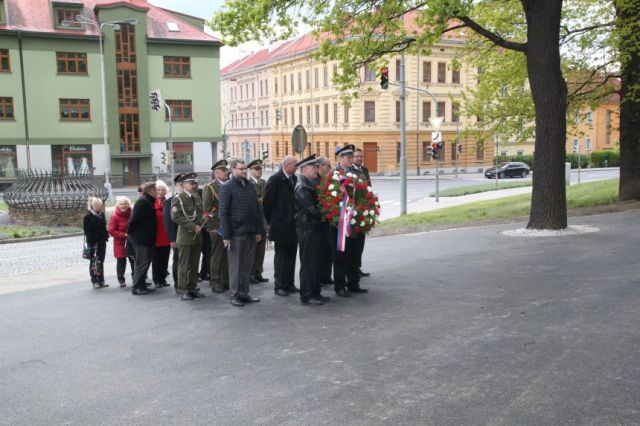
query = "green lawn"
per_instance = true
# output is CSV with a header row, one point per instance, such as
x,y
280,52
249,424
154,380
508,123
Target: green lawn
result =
x,y
23,231
483,187
515,207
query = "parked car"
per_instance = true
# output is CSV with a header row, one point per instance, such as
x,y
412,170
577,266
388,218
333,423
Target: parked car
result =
x,y
511,169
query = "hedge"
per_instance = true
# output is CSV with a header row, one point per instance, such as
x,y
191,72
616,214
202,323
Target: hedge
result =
x,y
612,158
596,159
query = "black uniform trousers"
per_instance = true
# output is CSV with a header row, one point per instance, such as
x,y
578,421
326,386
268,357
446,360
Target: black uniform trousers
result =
x,y
285,265
206,256
358,242
160,263
174,266
345,270
311,242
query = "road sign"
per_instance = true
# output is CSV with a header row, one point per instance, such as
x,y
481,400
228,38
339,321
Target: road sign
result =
x,y
299,139
436,137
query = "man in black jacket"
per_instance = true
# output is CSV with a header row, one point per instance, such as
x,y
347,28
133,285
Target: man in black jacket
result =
x,y
172,228
311,234
142,230
241,227
279,210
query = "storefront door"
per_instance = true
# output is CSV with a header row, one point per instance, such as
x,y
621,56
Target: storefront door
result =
x,y
371,156
131,172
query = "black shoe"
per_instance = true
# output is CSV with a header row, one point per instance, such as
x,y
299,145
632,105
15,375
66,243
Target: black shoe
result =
x,y
363,274
157,285
342,292
199,279
196,294
136,291
280,292
358,290
236,302
218,290
253,280
324,298
187,297
249,299
262,279
312,301
149,287
292,290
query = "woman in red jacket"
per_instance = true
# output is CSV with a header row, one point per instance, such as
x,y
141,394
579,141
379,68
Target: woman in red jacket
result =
x,y
163,245
118,230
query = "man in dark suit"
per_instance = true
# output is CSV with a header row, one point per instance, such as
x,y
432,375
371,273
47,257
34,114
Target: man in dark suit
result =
x,y
172,228
279,210
326,261
363,173
142,229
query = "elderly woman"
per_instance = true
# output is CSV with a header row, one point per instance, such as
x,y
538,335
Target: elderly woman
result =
x,y
163,245
95,232
118,230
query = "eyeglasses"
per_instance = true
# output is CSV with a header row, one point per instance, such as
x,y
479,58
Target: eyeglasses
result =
x,y
240,168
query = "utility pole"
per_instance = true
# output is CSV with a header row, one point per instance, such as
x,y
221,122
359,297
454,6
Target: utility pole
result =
x,y
418,115
403,141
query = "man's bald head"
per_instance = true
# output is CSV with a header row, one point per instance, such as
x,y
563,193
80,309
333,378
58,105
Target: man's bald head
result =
x,y
324,165
289,164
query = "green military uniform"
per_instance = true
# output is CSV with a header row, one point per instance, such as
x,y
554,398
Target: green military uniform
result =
x,y
186,212
257,269
219,269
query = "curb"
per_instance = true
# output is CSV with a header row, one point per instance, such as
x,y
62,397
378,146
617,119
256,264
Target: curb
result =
x,y
42,238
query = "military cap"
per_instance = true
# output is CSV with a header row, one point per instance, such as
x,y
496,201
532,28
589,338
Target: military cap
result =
x,y
309,161
345,150
222,164
255,164
178,178
190,177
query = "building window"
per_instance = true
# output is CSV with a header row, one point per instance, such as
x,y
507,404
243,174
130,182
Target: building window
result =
x,y
300,82
325,76
261,93
587,144
398,152
519,153
308,79
5,61
454,151
369,111
576,145
335,113
293,117
71,159
335,72
291,86
589,117
455,76
75,110
68,15
398,70
71,63
8,160
266,88
129,132
426,72
398,118
442,72
346,114
184,157
6,108
455,112
300,118
284,84
326,149
440,110
426,111
181,110
326,113
425,151
479,151
253,90
275,85
177,66
308,115
369,73
126,44
127,88
316,78
317,114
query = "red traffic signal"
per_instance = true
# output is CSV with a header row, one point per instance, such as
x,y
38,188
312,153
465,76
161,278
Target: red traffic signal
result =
x,y
384,77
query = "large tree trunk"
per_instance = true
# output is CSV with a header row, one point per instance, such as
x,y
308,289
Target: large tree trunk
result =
x,y
628,18
549,92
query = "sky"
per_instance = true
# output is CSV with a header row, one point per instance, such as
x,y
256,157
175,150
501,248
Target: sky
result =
x,y
205,9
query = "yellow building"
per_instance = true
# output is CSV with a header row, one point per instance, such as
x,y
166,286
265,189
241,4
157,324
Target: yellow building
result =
x,y
595,130
268,93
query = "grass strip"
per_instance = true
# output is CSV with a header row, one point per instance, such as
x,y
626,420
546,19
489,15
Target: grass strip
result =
x,y
22,231
483,187
512,208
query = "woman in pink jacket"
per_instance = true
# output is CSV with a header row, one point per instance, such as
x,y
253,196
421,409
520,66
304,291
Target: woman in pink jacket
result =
x,y
118,230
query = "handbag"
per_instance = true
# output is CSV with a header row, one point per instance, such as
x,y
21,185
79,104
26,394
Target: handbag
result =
x,y
86,249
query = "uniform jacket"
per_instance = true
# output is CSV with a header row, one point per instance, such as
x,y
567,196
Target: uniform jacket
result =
x,y
363,173
162,238
95,228
261,185
169,225
143,225
118,230
211,204
186,212
239,210
279,208
308,215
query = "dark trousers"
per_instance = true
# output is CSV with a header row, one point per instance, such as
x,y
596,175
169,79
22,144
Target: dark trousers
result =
x,y
240,257
174,266
144,255
311,243
206,256
345,270
160,264
325,254
96,263
285,265
358,249
258,261
121,266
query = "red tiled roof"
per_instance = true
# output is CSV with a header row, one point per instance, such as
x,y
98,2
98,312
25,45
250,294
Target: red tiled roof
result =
x,y
35,16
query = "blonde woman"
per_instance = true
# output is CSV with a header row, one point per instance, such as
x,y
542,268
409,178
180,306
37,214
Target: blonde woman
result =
x,y
118,230
95,231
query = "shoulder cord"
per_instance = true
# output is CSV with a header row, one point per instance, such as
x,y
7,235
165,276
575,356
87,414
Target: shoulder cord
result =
x,y
189,218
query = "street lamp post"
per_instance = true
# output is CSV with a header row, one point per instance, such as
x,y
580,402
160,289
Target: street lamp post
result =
x,y
105,132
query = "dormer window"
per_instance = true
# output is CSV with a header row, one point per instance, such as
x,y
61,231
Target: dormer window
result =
x,y
68,16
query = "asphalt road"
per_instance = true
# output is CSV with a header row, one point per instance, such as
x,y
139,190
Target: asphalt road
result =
x,y
460,327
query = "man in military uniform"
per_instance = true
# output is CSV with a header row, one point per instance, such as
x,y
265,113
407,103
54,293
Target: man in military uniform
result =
x,y
219,267
172,228
255,177
186,212
363,173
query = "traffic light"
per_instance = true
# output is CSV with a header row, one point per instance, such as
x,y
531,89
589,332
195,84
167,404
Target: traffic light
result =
x,y
155,100
384,77
163,157
265,155
173,155
277,114
168,157
459,149
429,151
434,150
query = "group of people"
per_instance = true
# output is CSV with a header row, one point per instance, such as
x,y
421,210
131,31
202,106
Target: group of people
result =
x,y
232,216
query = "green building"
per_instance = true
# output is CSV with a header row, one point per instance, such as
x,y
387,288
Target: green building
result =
x,y
51,114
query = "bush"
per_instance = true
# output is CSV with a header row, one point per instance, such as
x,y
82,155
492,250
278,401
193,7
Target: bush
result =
x,y
573,159
612,158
